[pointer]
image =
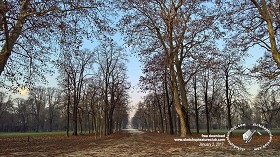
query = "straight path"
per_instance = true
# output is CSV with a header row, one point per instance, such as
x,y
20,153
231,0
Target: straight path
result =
x,y
132,143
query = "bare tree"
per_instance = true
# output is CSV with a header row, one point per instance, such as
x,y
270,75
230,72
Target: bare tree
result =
x,y
2,103
30,31
253,22
154,81
267,105
111,60
23,111
196,103
76,67
5,103
94,93
233,73
53,99
38,99
269,13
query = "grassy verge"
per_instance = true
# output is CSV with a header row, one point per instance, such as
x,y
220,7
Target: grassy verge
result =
x,y
241,131
22,134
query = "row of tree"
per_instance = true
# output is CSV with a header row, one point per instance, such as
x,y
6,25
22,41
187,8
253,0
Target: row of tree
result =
x,y
210,101
180,45
87,99
108,84
48,109
41,111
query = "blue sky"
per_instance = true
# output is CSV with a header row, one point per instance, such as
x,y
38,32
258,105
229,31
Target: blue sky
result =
x,y
254,54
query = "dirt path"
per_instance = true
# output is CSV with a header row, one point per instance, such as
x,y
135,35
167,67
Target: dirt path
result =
x,y
129,142
134,143
137,143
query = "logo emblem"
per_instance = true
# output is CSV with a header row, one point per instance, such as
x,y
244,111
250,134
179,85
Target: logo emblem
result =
x,y
249,136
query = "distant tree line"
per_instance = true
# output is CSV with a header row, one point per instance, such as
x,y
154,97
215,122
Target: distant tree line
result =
x,y
46,109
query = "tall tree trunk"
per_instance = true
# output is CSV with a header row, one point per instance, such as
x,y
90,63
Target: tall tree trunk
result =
x,y
88,122
11,37
111,121
75,120
169,104
75,116
80,120
177,103
206,105
264,12
106,108
183,93
196,104
228,102
160,112
171,127
68,104
93,124
154,118
68,115
101,126
165,122
51,121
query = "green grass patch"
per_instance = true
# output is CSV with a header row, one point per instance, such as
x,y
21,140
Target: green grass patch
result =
x,y
22,134
275,132
237,131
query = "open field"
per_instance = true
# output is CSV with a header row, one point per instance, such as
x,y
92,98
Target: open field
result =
x,y
125,143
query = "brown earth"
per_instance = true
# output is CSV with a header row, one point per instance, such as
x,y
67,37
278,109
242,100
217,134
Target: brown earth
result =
x,y
132,143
